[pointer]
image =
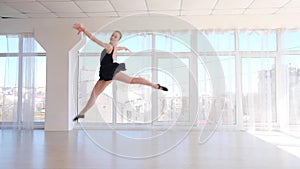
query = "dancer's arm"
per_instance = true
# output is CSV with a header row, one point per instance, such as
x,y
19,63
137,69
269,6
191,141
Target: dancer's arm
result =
x,y
80,28
122,48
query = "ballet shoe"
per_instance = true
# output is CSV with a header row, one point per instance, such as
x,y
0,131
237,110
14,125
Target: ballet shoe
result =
x,y
162,87
78,117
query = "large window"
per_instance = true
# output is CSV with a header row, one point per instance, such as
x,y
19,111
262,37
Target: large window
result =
x,y
86,80
128,104
290,50
134,101
22,81
292,82
257,40
218,41
174,106
8,83
237,67
132,104
216,77
258,84
217,73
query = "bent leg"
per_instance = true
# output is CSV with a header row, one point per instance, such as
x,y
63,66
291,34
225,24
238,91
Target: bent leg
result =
x,y
134,80
97,90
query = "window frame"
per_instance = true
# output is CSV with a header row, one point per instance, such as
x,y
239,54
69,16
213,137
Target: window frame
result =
x,y
20,55
238,54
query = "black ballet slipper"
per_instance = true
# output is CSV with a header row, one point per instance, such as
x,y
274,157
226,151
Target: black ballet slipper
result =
x,y
162,87
78,117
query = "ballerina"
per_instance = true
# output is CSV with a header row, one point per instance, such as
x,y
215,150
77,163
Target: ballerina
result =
x,y
110,70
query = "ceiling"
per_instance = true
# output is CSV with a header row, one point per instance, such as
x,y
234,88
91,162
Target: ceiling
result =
x,y
119,8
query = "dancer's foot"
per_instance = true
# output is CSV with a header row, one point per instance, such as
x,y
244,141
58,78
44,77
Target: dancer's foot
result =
x,y
162,87
78,117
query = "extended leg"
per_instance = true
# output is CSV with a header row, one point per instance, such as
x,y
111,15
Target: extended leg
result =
x,y
134,80
137,80
98,89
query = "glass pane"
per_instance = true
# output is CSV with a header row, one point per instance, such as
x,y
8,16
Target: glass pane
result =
x,y
258,85
173,106
92,47
87,77
292,81
205,92
40,88
206,71
9,44
8,89
30,45
136,42
257,41
290,40
229,111
134,101
177,42
3,44
216,41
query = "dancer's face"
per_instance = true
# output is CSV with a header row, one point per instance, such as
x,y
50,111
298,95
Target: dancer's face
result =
x,y
115,37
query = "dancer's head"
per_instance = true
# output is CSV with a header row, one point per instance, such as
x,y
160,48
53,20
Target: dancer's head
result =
x,y
115,37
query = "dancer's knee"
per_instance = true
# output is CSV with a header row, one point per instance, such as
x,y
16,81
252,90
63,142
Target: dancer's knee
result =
x,y
94,95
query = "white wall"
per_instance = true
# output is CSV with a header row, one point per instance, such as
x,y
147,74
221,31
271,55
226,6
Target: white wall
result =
x,y
58,39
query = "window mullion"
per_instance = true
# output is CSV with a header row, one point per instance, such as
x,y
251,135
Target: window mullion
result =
x,y
154,98
239,92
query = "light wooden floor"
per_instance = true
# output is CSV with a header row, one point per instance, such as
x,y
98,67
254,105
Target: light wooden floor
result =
x,y
73,150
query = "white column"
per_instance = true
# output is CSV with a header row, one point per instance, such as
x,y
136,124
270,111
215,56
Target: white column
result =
x,y
57,38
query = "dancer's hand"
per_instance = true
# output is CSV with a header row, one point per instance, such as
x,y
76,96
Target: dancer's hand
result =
x,y
126,49
78,27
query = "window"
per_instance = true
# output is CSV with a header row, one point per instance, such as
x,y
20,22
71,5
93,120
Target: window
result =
x,y
87,77
128,104
137,42
291,73
257,40
248,96
216,41
9,88
9,44
176,42
22,80
174,106
214,73
292,82
134,101
259,84
290,40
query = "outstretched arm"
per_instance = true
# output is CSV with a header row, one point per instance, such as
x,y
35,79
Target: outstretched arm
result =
x,y
122,48
80,28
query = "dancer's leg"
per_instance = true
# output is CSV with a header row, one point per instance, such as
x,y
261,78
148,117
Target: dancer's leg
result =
x,y
134,80
98,88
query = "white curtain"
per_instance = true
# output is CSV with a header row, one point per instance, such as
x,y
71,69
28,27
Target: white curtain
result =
x,y
258,79
216,77
290,67
28,83
17,82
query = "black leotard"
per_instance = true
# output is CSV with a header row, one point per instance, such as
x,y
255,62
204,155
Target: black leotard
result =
x,y
108,68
